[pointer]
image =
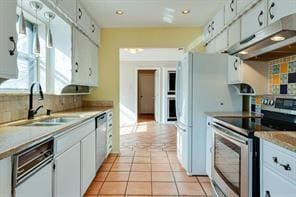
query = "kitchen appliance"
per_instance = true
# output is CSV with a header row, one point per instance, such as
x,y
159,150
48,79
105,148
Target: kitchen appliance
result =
x,y
101,139
235,160
201,86
32,171
272,42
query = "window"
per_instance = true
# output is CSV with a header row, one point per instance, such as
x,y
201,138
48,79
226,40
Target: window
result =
x,y
26,61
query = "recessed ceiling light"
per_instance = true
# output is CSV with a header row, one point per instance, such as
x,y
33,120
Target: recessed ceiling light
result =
x,y
186,11
119,12
277,38
243,52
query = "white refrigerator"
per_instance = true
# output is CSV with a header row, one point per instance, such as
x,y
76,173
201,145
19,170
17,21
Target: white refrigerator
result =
x,y
201,86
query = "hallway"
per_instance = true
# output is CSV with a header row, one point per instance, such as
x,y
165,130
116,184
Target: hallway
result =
x,y
147,166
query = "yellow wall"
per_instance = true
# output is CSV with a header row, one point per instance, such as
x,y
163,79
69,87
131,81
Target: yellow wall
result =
x,y
115,38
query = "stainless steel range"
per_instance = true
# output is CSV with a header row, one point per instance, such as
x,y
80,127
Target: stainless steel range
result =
x,y
235,162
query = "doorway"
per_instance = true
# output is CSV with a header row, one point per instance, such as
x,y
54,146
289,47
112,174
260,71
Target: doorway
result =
x,y
146,95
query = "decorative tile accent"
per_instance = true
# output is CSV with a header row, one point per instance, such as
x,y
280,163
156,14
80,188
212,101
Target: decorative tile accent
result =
x,y
284,68
292,67
292,78
276,79
275,89
284,78
292,89
258,100
283,89
276,69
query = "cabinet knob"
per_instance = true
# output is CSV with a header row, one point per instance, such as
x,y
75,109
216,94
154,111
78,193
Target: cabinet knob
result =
x,y
11,51
259,18
80,11
267,194
231,4
77,67
271,16
213,23
234,64
94,28
90,72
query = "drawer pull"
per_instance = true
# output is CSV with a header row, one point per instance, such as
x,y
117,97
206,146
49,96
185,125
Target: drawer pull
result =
x,y
287,167
267,194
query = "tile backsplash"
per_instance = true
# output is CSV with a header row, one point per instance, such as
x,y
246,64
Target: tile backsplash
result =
x,y
15,106
282,76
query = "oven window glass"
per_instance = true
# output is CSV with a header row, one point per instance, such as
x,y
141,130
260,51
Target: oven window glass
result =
x,y
227,160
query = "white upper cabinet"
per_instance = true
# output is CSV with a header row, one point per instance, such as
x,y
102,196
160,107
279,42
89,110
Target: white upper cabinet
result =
x,y
68,7
230,10
243,4
234,70
254,20
222,41
8,40
217,23
93,78
207,32
94,32
280,8
234,33
83,19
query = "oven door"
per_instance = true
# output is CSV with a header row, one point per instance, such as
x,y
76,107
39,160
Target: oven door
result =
x,y
230,162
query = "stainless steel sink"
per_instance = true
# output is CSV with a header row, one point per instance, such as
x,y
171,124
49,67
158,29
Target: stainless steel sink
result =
x,y
52,121
59,120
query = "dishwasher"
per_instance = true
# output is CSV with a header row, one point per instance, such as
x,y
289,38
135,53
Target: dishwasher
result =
x,y
101,139
32,171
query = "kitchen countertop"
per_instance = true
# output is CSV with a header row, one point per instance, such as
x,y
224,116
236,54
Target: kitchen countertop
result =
x,y
286,139
231,114
16,138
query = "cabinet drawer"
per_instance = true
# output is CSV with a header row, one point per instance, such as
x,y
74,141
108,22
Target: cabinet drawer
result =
x,y
67,140
279,159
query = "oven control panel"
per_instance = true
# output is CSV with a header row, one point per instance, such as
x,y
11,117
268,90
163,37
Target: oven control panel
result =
x,y
282,104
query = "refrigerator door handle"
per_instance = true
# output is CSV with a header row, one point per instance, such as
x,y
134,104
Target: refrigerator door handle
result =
x,y
180,128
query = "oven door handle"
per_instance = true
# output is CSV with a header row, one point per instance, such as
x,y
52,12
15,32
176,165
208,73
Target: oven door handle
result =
x,y
229,134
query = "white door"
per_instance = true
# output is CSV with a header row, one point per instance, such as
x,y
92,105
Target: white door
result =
x,y
8,39
40,184
230,10
67,173
146,92
88,161
234,70
69,7
280,8
254,20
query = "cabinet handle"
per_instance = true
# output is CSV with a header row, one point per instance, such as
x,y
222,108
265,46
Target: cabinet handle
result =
x,y
269,10
209,30
267,194
110,146
248,39
259,16
90,72
110,125
110,136
234,64
11,51
287,167
77,67
232,2
213,25
94,28
79,10
209,123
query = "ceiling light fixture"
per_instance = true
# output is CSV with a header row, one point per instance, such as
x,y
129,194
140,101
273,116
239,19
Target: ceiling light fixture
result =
x,y
119,12
49,41
277,38
133,50
243,52
187,11
36,6
22,23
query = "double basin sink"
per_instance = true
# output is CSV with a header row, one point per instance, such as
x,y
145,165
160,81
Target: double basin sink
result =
x,y
52,121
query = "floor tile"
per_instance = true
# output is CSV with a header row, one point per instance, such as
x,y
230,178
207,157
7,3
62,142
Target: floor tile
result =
x,y
162,176
101,176
176,167
122,167
140,176
161,167
110,159
141,160
117,176
190,189
183,177
142,154
164,188
159,160
124,160
94,188
106,167
203,179
208,188
139,188
113,188
141,168
126,153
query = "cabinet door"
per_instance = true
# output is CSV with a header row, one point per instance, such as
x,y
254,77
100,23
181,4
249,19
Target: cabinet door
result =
x,y
5,177
254,20
67,173
83,19
275,185
88,161
68,7
280,8
222,42
217,23
243,4
8,39
207,32
211,47
209,147
234,33
94,33
93,80
82,58
234,70
230,10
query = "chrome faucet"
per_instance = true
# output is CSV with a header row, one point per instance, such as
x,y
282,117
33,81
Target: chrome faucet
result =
x,y
31,111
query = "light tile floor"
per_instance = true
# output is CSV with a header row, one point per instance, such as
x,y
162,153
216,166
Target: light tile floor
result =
x,y
147,166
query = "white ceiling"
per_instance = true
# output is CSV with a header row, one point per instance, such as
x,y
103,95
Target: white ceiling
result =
x,y
153,54
149,13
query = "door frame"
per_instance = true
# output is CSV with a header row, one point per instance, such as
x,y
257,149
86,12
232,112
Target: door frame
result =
x,y
157,94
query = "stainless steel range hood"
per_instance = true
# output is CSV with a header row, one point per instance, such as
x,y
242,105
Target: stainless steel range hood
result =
x,y
274,41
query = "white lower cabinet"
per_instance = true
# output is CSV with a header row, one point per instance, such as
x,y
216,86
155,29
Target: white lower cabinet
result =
x,y
209,147
67,173
5,177
109,132
278,173
88,161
